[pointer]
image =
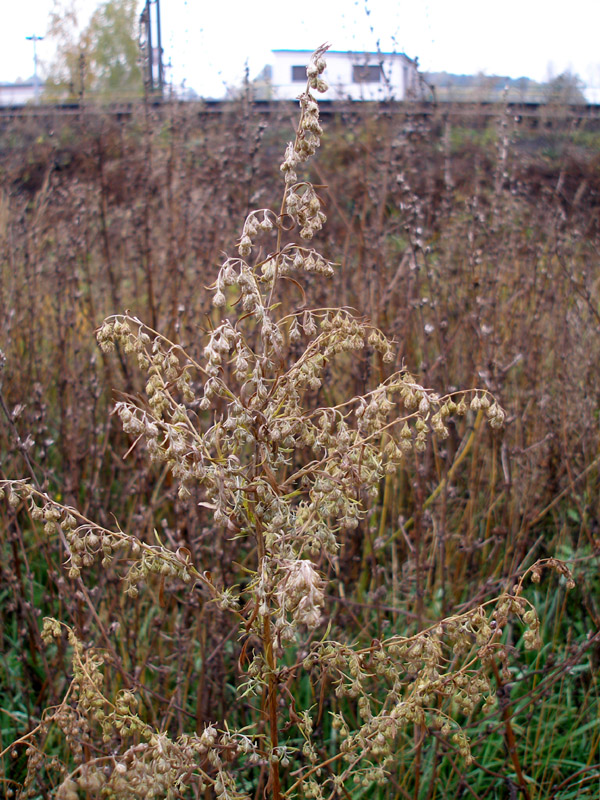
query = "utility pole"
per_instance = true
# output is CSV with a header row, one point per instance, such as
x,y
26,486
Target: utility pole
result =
x,y
146,24
36,83
161,74
154,55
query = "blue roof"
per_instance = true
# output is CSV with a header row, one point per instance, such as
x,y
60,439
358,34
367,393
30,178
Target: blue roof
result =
x,y
344,52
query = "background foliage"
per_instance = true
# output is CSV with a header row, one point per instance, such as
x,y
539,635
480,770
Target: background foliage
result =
x,y
473,242
100,59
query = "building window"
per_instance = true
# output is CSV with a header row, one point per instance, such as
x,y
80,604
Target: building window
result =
x,y
366,73
299,74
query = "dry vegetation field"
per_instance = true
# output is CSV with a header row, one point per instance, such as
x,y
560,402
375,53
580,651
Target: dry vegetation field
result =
x,y
473,244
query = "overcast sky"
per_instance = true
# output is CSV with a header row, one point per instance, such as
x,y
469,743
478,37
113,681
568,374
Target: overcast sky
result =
x,y
208,42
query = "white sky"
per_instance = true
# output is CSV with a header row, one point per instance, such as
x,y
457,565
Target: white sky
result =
x,y
209,41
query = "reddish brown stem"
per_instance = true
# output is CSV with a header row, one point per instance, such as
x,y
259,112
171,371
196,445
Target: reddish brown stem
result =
x,y
503,695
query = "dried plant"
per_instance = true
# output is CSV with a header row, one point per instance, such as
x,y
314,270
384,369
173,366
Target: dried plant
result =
x,y
244,433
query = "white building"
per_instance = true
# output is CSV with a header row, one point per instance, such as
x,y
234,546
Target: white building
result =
x,y
351,76
18,93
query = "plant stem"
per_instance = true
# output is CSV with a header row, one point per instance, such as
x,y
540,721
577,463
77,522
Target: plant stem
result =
x,y
511,743
272,707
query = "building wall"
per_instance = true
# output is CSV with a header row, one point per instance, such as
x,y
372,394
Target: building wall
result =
x,y
385,76
16,94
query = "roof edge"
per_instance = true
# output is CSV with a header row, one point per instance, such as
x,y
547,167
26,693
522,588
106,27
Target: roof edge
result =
x,y
345,52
